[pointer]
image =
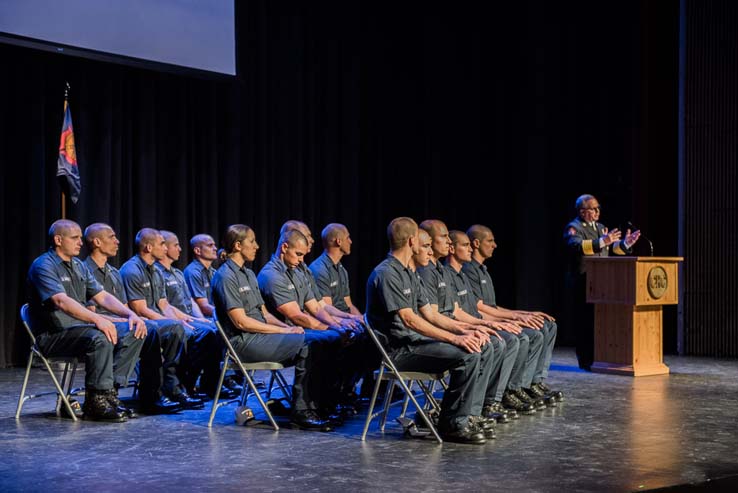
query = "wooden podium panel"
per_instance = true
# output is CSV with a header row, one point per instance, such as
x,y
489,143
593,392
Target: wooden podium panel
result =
x,y
629,293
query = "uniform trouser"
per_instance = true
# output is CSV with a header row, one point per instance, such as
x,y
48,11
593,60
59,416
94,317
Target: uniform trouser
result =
x,y
436,357
159,370
125,354
326,347
288,349
509,349
203,353
535,352
549,331
518,368
99,354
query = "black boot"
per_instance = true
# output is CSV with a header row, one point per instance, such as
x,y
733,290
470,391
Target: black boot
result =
x,y
98,408
112,396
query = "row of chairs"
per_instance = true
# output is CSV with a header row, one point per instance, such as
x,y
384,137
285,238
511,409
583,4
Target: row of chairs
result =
x,y
387,372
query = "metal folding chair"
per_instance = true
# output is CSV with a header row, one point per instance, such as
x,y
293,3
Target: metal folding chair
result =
x,y
232,360
389,372
63,389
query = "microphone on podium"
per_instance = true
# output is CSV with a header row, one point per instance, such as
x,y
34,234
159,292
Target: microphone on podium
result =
x,y
633,228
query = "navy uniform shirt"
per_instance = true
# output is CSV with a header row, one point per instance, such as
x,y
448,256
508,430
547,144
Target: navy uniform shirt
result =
x,y
480,282
198,279
464,292
111,281
143,282
178,294
331,281
50,275
236,287
582,240
390,288
280,285
438,283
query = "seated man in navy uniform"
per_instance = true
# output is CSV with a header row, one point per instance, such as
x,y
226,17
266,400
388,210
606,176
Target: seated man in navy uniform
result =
x,y
586,236
394,299
288,294
147,297
102,244
256,334
60,285
444,299
200,271
204,345
482,242
460,253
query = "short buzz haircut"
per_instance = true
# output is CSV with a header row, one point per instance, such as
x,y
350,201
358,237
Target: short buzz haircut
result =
x,y
292,238
145,236
200,239
61,227
95,230
455,235
331,232
400,230
477,232
582,199
431,226
168,235
292,225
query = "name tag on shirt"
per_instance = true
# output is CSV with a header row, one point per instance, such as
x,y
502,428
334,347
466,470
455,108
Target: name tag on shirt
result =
x,y
441,284
66,279
407,291
291,286
334,284
484,281
171,283
462,292
146,284
244,288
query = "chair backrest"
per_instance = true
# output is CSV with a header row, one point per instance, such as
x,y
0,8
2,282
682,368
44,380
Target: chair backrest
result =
x,y
375,337
26,318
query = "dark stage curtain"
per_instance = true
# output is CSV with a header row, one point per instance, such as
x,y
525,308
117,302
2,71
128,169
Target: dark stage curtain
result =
x,y
355,112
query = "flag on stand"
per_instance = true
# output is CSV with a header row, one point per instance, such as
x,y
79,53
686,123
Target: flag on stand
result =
x,y
66,165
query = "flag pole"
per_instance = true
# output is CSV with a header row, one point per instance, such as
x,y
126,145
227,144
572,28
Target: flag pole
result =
x,y
63,193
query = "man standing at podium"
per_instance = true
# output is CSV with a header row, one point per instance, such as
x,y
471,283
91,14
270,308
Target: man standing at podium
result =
x,y
585,236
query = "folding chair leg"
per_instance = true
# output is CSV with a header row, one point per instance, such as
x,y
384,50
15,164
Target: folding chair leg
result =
x,y
372,402
387,402
263,405
217,391
406,400
420,410
66,384
283,386
22,397
60,390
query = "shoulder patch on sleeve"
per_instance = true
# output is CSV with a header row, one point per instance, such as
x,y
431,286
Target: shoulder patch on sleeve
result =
x,y
572,231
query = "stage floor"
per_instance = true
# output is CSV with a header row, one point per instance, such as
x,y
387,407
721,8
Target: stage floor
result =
x,y
612,433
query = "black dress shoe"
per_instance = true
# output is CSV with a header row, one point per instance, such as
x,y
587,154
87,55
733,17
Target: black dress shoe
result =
x,y
162,405
186,401
495,411
538,404
346,411
537,394
556,394
309,420
511,401
98,408
112,396
333,418
232,385
486,426
468,434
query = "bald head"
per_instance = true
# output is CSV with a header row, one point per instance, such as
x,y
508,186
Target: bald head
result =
x,y
62,227
332,232
291,238
96,231
293,225
478,232
146,236
434,227
400,230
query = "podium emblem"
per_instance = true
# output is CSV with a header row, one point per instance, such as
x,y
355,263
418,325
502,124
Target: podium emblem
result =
x,y
658,282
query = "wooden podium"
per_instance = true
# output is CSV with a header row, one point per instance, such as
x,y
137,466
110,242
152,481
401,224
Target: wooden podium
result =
x,y
628,293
